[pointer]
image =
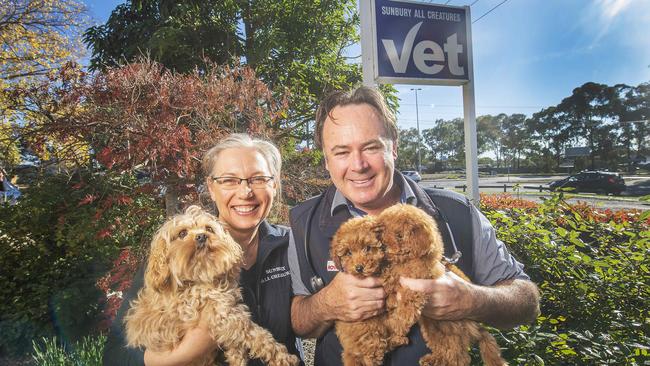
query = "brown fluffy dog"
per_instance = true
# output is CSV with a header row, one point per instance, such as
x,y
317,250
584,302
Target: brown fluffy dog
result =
x,y
357,250
192,274
413,248
409,245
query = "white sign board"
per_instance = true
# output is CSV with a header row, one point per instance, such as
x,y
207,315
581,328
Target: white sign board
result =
x,y
420,43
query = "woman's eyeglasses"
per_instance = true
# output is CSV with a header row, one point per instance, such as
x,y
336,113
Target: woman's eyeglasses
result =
x,y
258,181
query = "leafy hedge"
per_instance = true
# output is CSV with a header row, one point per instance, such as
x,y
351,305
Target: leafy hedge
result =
x,y
593,271
56,243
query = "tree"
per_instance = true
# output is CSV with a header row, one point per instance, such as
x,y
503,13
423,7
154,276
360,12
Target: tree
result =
x,y
407,151
490,135
446,140
552,130
636,107
294,44
147,118
591,116
515,137
587,109
38,36
9,149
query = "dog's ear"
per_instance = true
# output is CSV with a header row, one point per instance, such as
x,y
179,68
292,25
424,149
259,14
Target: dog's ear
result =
x,y
158,276
336,244
337,262
378,230
336,252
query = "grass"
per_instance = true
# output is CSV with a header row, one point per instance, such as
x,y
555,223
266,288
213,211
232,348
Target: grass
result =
x,y
87,352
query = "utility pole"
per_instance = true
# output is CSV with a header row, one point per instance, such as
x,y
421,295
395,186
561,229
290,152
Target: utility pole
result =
x,y
417,122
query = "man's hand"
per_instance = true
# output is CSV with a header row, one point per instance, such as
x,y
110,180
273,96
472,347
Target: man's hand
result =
x,y
349,298
449,296
505,305
346,298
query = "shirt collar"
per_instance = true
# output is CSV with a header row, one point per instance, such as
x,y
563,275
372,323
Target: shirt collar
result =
x,y
406,196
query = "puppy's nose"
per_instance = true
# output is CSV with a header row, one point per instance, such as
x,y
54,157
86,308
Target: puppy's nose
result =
x,y
200,240
359,268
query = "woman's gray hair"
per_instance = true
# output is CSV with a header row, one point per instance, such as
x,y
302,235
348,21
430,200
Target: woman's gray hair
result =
x,y
267,149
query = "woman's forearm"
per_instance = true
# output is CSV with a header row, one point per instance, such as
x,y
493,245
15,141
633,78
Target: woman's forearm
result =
x,y
196,343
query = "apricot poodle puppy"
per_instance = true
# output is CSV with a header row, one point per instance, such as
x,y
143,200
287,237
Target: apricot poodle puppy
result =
x,y
357,250
413,247
192,274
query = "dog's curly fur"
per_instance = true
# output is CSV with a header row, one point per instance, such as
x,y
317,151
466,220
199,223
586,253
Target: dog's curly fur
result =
x,y
356,249
411,247
192,273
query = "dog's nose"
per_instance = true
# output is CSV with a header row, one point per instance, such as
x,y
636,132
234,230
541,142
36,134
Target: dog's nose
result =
x,y
359,268
200,240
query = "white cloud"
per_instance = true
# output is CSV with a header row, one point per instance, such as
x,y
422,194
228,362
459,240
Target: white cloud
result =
x,y
610,8
624,20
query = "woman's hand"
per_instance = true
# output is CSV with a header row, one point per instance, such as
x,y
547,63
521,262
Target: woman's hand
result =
x,y
196,343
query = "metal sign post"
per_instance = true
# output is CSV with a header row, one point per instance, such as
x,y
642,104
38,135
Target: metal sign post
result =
x,y
422,43
367,51
469,111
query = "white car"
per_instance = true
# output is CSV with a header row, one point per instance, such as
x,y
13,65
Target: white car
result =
x,y
415,176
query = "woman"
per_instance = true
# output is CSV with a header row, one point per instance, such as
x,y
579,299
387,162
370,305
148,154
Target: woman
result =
x,y
243,179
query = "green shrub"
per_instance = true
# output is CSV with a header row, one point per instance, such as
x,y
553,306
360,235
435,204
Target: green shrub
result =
x,y
56,243
87,352
594,278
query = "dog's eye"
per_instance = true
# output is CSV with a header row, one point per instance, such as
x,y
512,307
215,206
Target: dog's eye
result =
x,y
348,252
367,248
399,236
182,234
209,229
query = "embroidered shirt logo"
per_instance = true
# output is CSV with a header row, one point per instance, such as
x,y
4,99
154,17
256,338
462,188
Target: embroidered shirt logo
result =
x,y
331,267
274,273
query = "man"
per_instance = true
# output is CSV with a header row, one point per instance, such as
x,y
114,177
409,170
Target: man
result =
x,y
358,136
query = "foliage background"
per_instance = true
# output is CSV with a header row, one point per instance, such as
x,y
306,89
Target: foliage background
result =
x,y
593,270
118,147
592,116
56,243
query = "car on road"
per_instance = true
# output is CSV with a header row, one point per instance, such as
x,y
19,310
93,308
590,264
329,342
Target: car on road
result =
x,y
591,181
414,175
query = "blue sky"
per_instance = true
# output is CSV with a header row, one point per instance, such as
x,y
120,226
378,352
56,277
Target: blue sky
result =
x,y
530,54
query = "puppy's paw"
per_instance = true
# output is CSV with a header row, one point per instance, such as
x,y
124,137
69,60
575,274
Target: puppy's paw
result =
x,y
397,341
286,359
429,360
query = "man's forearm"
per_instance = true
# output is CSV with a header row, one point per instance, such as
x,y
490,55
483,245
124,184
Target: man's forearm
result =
x,y
507,304
308,316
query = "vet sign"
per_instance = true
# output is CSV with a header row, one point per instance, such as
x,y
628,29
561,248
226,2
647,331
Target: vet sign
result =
x,y
420,43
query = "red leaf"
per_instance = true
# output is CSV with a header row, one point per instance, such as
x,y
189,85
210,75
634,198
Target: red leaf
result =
x,y
87,200
103,233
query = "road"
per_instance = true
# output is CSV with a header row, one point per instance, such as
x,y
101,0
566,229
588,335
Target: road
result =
x,y
637,186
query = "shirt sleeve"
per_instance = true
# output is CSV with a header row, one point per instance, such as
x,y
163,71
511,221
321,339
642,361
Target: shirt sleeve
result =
x,y
492,261
297,285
